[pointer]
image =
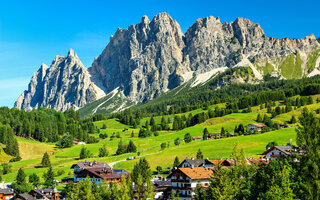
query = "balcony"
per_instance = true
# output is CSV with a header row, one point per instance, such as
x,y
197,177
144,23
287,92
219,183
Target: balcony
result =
x,y
180,181
185,187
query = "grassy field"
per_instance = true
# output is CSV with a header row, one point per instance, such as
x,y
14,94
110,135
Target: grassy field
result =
x,y
62,159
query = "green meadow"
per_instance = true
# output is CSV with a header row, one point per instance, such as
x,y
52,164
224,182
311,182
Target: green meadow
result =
x,y
62,159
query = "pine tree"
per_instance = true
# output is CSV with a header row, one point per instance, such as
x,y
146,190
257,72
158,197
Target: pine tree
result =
x,y
45,160
103,152
34,179
85,153
21,177
49,178
124,190
293,120
199,154
148,194
259,119
131,147
176,162
205,134
187,138
152,122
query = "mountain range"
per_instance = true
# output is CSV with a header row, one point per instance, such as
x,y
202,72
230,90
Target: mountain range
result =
x,y
149,59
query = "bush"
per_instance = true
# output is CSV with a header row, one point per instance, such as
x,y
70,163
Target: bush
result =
x,y
60,172
163,146
187,138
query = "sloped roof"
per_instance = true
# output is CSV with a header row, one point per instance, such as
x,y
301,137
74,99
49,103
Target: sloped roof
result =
x,y
287,150
258,125
194,162
86,165
25,196
6,191
198,172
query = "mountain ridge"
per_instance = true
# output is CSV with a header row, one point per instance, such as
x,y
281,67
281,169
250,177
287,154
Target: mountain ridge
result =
x,y
153,57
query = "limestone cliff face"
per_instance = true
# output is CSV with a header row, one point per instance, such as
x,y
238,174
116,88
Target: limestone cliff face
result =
x,y
152,57
143,59
65,84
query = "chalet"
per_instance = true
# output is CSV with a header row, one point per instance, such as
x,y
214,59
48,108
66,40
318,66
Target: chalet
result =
x,y
195,163
214,135
52,194
77,142
185,180
7,193
283,126
259,127
98,172
277,152
196,138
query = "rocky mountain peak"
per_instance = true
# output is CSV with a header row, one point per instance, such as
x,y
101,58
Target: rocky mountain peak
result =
x,y
310,37
65,84
318,39
152,57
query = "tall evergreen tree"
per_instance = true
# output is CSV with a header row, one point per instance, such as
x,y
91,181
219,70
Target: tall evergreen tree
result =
x,y
205,134
199,154
48,176
131,147
45,160
176,162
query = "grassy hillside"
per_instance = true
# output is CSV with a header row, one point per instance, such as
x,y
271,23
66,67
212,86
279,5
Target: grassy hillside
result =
x,y
62,159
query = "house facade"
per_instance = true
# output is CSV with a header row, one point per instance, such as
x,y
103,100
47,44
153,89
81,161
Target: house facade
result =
x,y
259,127
185,180
277,152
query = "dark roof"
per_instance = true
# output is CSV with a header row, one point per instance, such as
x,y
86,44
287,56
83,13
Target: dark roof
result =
x,y
287,150
6,191
25,196
162,183
85,165
194,162
104,173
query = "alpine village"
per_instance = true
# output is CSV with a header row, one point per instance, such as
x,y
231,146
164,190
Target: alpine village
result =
x,y
222,111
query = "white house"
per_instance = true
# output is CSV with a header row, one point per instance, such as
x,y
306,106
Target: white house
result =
x,y
277,152
185,180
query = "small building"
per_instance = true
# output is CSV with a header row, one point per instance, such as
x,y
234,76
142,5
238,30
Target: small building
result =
x,y
52,194
98,172
277,152
77,142
7,193
281,126
196,138
259,127
214,135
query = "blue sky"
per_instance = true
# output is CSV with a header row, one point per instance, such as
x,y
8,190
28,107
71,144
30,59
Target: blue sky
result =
x,y
33,32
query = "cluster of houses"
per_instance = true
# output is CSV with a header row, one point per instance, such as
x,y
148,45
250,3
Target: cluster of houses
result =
x,y
182,181
259,127
48,194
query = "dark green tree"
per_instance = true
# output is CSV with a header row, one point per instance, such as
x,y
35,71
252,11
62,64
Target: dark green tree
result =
x,y
187,138
131,147
199,154
45,160
205,134
48,176
103,152
176,162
